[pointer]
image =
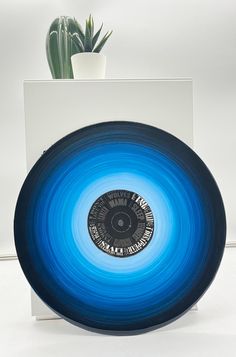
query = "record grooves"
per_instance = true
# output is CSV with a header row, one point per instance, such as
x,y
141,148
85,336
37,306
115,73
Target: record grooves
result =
x,y
120,227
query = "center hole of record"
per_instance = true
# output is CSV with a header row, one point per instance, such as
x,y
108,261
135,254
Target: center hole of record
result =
x,y
121,223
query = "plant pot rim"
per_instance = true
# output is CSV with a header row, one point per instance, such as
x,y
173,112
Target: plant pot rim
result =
x,y
88,54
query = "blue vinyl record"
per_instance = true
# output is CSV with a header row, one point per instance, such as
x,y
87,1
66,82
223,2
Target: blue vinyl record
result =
x,y
120,227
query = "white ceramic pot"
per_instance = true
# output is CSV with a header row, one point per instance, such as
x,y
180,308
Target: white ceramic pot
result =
x,y
88,65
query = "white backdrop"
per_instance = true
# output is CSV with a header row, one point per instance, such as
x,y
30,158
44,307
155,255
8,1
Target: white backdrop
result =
x,y
151,39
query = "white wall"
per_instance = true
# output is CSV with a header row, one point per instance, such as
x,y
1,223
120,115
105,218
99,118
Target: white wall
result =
x,y
152,38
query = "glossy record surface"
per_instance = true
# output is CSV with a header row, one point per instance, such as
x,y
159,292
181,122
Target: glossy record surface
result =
x,y
81,282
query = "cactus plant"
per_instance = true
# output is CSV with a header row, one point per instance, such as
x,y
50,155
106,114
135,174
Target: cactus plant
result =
x,y
66,38
60,46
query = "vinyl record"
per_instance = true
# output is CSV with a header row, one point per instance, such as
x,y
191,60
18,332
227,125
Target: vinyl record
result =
x,y
120,226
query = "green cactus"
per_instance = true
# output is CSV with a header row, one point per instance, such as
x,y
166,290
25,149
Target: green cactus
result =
x,y
60,46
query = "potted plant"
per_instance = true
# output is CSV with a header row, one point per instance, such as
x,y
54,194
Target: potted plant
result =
x,y
88,62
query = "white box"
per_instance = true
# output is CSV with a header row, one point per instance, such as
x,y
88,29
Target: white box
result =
x,y
57,107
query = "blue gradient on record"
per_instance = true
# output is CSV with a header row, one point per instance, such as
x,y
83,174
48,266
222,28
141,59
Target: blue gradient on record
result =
x,y
86,285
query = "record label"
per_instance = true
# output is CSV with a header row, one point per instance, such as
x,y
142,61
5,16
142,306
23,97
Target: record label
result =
x,y
121,223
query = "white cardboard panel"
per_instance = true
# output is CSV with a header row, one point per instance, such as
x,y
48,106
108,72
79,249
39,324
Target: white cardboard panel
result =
x,y
56,108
